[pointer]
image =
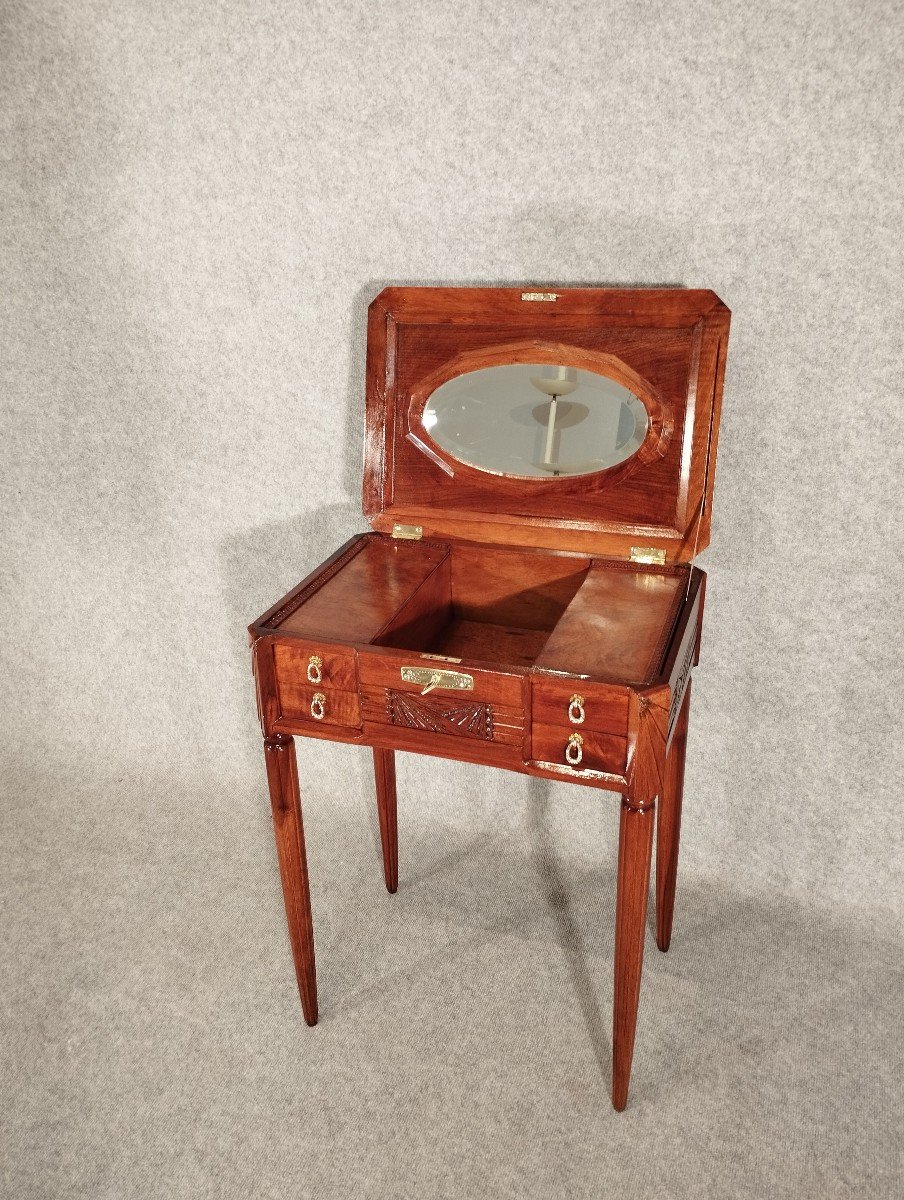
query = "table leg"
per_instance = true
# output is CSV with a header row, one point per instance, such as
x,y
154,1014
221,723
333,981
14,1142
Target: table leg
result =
x,y
635,846
384,774
282,776
668,827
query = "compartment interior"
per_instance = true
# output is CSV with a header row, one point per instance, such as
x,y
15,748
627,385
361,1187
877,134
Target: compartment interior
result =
x,y
507,607
494,605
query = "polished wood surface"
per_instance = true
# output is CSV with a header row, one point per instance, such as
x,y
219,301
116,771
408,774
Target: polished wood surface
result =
x,y
356,602
635,842
385,779
525,589
536,645
282,776
603,707
666,345
668,827
617,624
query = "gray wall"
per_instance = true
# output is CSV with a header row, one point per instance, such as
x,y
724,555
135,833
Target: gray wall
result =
x,y
199,201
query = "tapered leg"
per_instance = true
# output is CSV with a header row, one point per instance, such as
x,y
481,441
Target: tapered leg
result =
x,y
635,846
668,828
282,776
384,774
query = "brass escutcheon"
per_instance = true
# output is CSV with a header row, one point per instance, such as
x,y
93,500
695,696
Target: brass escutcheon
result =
x,y
431,678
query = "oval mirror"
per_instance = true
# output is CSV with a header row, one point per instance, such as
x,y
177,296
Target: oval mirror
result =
x,y
536,421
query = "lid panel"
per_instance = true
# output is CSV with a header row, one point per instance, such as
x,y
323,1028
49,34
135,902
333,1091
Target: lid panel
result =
x,y
663,345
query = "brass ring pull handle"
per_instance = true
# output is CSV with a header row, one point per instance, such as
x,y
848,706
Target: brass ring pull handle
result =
x,y
574,751
315,669
576,712
318,706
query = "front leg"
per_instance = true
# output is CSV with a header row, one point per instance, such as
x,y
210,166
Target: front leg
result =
x,y
635,844
668,827
384,776
282,776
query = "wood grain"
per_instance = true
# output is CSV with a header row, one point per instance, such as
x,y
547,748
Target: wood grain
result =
x,y
482,641
668,827
526,589
385,779
605,706
282,776
527,583
359,601
667,345
635,842
296,701
419,622
337,664
600,751
618,624
448,713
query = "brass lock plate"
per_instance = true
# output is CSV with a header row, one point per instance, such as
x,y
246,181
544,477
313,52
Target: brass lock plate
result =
x,y
430,678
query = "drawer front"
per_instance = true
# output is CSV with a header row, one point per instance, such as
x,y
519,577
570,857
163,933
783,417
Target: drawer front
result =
x,y
315,664
573,704
491,711
319,706
581,749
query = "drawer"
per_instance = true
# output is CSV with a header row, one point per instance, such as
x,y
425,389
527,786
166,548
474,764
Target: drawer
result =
x,y
319,706
581,749
317,664
491,711
574,704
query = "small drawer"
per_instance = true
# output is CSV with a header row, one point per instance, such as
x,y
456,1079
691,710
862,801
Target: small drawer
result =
x,y
316,664
319,706
581,749
574,704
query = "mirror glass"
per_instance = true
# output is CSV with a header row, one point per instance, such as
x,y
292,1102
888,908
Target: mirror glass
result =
x,y
536,421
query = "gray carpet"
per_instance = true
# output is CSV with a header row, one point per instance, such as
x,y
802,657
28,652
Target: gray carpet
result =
x,y
197,202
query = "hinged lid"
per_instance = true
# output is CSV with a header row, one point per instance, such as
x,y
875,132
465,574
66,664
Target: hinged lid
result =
x,y
577,419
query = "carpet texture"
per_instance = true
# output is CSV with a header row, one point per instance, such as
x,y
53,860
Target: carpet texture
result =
x,y
197,203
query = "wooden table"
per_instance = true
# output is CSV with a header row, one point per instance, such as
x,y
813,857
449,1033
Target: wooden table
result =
x,y
547,626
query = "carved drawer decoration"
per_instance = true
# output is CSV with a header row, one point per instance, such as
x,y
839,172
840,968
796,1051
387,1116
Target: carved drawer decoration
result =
x,y
440,714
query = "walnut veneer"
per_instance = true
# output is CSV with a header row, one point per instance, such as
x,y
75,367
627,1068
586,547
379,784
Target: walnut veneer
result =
x,y
578,659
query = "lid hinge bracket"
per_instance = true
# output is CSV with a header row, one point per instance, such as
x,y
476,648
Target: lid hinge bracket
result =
x,y
648,554
411,533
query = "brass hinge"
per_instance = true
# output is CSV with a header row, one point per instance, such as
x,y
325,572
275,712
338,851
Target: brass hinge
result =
x,y
413,533
648,554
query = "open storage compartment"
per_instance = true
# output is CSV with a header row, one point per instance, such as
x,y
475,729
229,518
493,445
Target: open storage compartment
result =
x,y
488,604
509,608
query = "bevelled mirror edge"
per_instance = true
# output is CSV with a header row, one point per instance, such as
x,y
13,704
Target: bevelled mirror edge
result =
x,y
605,378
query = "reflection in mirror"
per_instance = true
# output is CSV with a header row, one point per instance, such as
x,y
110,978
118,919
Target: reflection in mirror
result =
x,y
530,420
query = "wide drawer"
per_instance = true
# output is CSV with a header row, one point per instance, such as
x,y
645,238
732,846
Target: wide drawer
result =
x,y
581,749
492,710
315,663
574,704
